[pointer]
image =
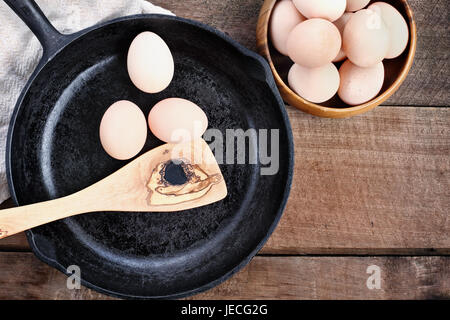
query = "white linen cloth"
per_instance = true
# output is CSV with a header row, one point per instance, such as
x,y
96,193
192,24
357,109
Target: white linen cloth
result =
x,y
20,50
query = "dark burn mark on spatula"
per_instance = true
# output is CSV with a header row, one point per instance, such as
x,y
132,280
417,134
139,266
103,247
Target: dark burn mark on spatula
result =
x,y
178,181
175,174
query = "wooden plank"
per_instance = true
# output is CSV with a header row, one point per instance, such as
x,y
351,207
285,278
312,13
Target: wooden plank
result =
x,y
337,278
17,242
377,184
22,276
427,83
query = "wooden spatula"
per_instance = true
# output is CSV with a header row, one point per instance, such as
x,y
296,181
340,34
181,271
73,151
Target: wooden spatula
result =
x,y
172,177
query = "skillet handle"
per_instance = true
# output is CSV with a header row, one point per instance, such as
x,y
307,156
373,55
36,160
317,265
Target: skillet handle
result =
x,y
30,13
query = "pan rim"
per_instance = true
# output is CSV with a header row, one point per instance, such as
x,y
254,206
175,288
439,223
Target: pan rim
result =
x,y
269,80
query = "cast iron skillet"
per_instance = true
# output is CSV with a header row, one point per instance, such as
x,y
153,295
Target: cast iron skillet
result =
x,y
53,150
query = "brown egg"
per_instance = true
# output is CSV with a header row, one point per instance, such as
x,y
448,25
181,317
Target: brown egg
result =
x,y
314,43
340,24
359,85
330,10
284,18
177,120
397,26
366,38
355,5
123,130
314,84
150,63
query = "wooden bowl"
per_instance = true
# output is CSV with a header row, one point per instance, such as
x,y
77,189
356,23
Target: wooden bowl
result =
x,y
396,69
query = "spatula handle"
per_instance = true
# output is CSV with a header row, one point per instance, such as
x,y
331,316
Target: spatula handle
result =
x,y
137,187
19,219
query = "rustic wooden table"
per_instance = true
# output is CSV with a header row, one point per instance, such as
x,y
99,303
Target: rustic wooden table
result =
x,y
370,190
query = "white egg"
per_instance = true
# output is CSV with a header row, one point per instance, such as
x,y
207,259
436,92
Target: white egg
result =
x,y
359,85
123,130
366,38
314,84
398,28
330,10
314,43
283,19
355,5
150,63
176,120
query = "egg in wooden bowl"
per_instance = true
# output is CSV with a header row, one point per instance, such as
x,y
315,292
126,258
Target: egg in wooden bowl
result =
x,y
377,39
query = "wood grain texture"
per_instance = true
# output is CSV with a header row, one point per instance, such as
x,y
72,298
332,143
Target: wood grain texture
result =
x,y
17,242
22,276
427,84
337,278
376,184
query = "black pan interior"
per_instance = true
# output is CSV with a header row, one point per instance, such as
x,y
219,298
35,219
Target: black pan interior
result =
x,y
55,151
